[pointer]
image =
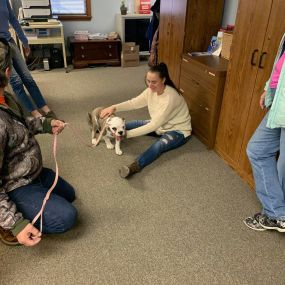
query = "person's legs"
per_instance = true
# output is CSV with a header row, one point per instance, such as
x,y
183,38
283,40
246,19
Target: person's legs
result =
x,y
281,161
138,123
261,151
59,214
166,142
135,124
21,76
62,188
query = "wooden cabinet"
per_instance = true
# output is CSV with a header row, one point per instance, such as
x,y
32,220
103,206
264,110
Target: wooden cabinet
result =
x,y
95,52
186,25
259,27
202,83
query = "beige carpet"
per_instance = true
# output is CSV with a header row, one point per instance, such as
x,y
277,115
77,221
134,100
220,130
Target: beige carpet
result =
x,y
179,221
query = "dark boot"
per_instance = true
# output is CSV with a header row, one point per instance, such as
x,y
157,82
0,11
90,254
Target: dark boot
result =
x,y
7,237
127,171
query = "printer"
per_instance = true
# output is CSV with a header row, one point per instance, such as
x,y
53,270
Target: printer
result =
x,y
36,9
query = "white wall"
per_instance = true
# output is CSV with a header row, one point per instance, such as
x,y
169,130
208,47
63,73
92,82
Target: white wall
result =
x,y
103,19
230,11
103,16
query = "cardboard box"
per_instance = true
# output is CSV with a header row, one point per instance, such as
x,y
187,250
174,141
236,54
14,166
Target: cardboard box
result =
x,y
226,45
130,55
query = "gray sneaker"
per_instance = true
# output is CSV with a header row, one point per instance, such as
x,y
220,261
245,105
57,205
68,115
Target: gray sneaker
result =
x,y
272,224
253,222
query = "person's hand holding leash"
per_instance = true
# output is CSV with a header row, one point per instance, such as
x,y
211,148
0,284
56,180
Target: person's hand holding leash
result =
x,y
57,126
108,111
29,236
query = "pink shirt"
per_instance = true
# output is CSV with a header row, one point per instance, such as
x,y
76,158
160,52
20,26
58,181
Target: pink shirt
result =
x,y
277,71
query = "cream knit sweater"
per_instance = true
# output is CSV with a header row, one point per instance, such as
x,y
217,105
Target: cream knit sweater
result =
x,y
168,112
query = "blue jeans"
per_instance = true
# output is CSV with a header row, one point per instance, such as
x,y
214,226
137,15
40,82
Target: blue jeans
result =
x,y
269,173
168,141
20,77
59,214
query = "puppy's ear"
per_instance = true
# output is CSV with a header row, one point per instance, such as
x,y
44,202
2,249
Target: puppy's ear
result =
x,y
89,119
108,120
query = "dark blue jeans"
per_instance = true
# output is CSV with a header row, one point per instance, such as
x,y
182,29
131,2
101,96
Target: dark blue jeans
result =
x,y
21,77
59,214
167,141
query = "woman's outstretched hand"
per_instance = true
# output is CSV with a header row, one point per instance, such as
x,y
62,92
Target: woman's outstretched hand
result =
x,y
107,111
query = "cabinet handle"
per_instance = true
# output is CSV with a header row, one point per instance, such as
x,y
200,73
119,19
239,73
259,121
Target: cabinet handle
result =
x,y
194,81
110,54
82,55
206,108
184,59
110,46
168,28
211,73
260,60
253,63
82,47
181,90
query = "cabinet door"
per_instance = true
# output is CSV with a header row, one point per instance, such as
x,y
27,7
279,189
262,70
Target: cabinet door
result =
x,y
274,33
250,28
164,31
177,38
171,35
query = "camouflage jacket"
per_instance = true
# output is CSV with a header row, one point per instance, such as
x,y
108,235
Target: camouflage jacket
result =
x,y
20,158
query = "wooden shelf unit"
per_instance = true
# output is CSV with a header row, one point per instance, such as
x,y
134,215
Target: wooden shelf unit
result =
x,y
202,82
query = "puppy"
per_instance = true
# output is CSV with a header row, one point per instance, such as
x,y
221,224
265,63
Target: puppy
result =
x,y
115,128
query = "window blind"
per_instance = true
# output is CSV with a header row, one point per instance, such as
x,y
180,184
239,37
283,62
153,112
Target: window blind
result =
x,y
62,7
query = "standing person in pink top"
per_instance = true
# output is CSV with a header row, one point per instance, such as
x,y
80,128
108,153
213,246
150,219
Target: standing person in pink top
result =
x,y
262,150
169,118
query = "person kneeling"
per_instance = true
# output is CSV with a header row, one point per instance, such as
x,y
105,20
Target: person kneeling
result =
x,y
24,180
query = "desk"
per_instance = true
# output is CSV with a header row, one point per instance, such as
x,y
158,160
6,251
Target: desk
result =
x,y
56,39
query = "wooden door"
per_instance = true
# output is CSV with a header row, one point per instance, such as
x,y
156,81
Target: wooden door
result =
x,y
164,31
251,24
274,33
177,39
203,21
171,35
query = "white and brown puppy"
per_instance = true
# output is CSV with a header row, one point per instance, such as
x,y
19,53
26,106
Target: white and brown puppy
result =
x,y
115,128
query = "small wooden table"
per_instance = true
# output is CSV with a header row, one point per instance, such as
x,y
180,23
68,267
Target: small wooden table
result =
x,y
87,52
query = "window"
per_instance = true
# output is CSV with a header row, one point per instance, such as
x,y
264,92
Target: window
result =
x,y
71,9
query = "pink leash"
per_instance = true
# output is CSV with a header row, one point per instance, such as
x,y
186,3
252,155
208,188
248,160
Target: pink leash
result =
x,y
82,140
40,213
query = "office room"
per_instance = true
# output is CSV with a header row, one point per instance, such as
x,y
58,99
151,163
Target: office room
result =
x,y
147,122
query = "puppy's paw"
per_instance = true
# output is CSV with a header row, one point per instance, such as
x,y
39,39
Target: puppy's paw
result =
x,y
110,146
94,141
119,152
